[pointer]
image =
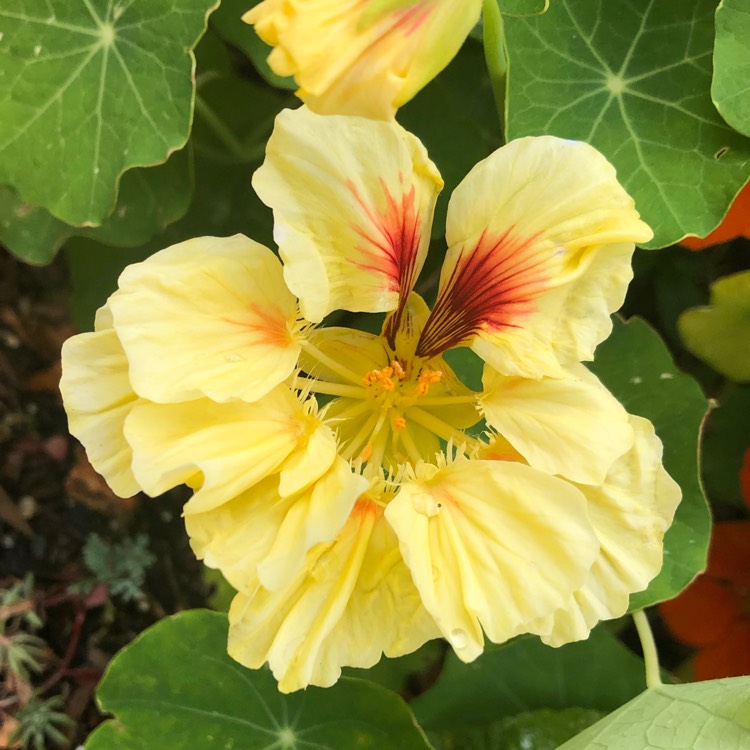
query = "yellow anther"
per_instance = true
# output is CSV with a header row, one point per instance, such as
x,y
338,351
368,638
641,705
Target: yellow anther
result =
x,y
399,423
400,374
426,379
383,377
366,453
372,377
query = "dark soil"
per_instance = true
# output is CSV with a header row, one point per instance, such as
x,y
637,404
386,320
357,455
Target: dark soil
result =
x,y
51,501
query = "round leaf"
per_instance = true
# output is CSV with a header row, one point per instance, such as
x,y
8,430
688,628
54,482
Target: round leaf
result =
x,y
525,676
174,687
632,79
395,674
718,333
699,716
533,730
730,89
523,7
150,199
90,89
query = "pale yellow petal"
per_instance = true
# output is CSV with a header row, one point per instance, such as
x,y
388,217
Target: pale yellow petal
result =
x,y
525,228
317,515
219,449
312,457
572,426
362,58
260,533
98,397
491,545
352,601
353,201
630,512
579,315
236,535
207,317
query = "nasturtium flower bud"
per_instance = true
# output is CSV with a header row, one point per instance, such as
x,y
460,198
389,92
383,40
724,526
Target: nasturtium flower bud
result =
x,y
362,57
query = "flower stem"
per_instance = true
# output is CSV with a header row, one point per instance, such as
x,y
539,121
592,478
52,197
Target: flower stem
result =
x,y
650,655
237,149
495,55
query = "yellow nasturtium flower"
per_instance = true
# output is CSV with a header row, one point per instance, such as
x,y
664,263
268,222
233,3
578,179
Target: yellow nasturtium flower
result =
x,y
359,496
362,57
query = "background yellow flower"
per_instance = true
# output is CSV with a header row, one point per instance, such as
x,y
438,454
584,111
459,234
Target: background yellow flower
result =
x,y
362,57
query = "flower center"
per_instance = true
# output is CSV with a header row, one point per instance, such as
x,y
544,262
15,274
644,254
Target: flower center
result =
x,y
400,411
392,379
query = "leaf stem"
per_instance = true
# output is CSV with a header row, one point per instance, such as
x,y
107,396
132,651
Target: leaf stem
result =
x,y
650,655
237,149
493,37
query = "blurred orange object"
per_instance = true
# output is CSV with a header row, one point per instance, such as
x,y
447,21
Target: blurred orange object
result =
x,y
736,224
712,613
745,477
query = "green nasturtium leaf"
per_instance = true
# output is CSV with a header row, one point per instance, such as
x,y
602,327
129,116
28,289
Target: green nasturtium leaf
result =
x,y
30,233
150,199
727,437
712,715
533,730
174,687
633,79
394,674
90,89
223,203
599,674
719,333
636,366
730,88
523,8
228,23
